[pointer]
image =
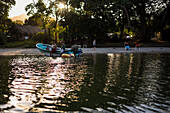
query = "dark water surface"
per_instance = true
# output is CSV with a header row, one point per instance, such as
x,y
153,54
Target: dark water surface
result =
x,y
103,82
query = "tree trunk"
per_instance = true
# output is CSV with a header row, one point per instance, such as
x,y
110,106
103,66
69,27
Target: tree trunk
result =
x,y
56,34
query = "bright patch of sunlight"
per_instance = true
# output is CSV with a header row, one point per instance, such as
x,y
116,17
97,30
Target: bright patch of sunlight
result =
x,y
61,5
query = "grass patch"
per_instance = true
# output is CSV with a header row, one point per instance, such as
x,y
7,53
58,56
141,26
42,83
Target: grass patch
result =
x,y
22,44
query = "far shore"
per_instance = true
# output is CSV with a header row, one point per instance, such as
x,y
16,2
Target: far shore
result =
x,y
34,51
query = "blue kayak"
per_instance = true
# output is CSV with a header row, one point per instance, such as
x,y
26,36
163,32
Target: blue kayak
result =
x,y
43,49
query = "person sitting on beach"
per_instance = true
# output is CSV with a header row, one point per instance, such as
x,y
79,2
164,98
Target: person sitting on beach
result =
x,y
127,47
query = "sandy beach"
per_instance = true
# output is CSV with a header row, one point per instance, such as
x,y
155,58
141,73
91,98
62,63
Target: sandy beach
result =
x,y
34,51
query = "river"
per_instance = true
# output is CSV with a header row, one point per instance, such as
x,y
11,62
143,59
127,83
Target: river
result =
x,y
122,82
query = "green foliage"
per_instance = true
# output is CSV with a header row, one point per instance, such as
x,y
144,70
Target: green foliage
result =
x,y
2,38
5,5
126,31
23,44
14,44
40,12
142,17
84,18
30,44
34,21
20,22
42,37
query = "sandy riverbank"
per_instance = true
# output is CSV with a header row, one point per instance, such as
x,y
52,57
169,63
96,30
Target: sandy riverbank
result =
x,y
34,51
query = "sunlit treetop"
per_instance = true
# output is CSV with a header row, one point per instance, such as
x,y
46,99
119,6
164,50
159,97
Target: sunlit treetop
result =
x,y
61,5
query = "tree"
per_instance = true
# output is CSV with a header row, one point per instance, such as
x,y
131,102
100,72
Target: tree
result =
x,y
5,6
34,21
144,17
39,11
84,20
44,11
19,22
95,18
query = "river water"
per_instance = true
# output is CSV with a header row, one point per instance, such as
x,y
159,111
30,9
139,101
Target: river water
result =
x,y
94,82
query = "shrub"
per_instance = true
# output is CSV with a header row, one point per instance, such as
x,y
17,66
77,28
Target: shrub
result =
x,y
30,44
22,44
42,37
14,44
2,38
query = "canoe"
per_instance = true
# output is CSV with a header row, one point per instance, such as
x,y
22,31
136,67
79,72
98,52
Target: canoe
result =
x,y
68,53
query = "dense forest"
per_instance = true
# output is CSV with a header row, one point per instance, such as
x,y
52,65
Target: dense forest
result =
x,y
82,21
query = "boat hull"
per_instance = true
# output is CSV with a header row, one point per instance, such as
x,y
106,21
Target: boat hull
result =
x,y
68,53
48,54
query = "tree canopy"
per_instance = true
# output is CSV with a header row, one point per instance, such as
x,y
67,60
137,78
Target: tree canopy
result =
x,y
143,17
84,20
5,6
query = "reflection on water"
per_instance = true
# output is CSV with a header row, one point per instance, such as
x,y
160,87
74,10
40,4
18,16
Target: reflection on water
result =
x,y
102,82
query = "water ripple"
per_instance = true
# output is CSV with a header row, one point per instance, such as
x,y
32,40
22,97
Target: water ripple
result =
x,y
96,82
